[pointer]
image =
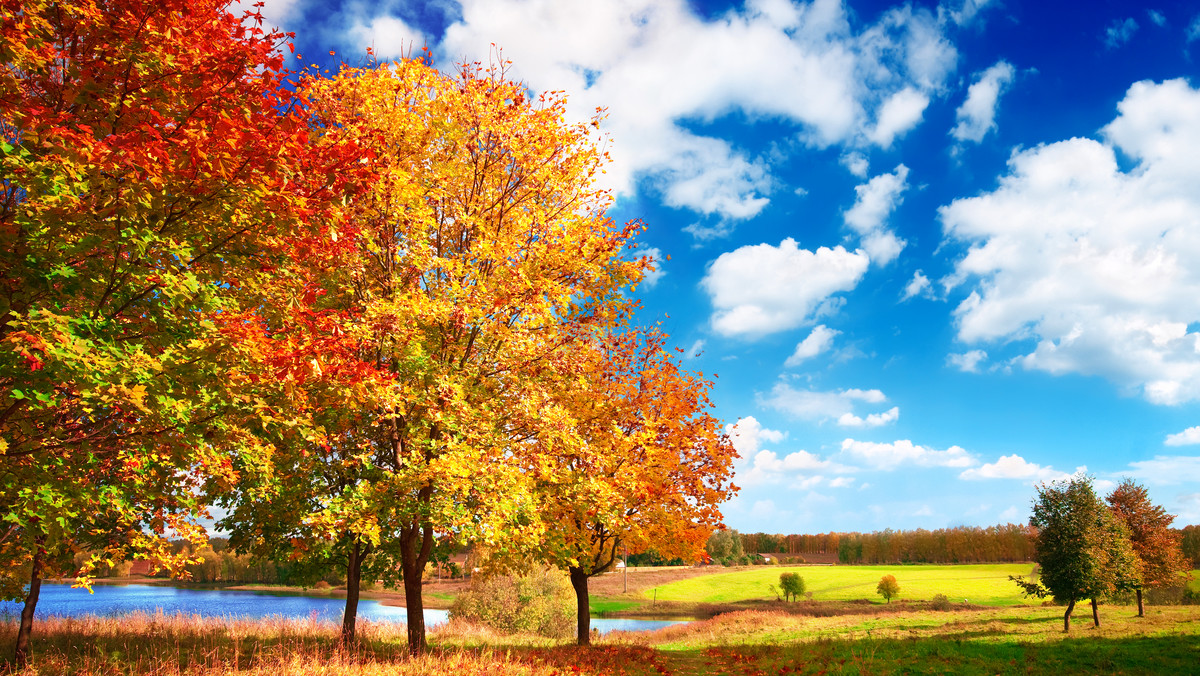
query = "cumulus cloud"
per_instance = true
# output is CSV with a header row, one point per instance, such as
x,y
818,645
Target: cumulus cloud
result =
x,y
820,340
1119,32
856,163
758,465
899,114
967,362
916,286
812,66
874,202
1097,268
887,456
1013,467
747,435
1188,437
838,405
977,115
761,289
872,420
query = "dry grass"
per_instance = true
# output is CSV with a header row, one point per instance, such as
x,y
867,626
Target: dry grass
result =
x,y
904,640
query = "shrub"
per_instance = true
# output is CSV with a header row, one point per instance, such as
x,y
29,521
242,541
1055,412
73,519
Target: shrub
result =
x,y
940,602
322,584
538,601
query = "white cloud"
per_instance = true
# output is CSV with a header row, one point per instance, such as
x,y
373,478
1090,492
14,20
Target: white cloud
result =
x,y
886,456
695,350
841,482
872,420
1009,515
747,435
918,285
820,406
898,115
1119,32
761,289
817,342
388,37
1193,29
758,466
276,13
1156,17
651,276
1013,467
1098,267
965,13
1187,437
810,66
856,163
1167,469
977,115
967,362
874,202
1187,508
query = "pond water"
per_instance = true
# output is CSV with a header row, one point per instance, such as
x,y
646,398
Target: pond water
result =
x,y
111,600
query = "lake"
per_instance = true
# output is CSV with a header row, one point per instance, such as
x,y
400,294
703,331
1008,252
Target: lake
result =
x,y
111,600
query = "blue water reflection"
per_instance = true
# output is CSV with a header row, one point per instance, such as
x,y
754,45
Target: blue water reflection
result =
x,y
115,600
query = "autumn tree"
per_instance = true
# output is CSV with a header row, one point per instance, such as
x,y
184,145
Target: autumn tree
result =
x,y
1157,546
1083,550
645,465
888,587
438,312
143,175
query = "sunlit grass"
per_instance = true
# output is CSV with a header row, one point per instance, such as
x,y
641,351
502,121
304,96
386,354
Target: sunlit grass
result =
x,y
986,584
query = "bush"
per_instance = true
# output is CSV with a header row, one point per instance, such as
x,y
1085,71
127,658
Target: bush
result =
x,y
539,601
940,602
322,584
888,587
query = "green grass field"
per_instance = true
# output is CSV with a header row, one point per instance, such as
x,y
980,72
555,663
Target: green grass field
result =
x,y
986,584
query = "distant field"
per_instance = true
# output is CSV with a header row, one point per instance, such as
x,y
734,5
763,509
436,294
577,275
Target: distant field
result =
x,y
986,584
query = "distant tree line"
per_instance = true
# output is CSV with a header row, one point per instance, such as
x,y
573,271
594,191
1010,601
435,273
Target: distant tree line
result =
x,y
962,544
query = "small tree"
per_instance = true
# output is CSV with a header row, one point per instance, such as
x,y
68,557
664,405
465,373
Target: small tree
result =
x,y
888,587
1157,546
792,585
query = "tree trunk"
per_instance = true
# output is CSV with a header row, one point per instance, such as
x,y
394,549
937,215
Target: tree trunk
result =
x,y
353,584
21,653
583,615
1095,613
1067,617
416,545
1141,608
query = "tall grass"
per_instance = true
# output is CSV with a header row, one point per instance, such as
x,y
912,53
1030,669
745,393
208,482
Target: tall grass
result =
x,y
979,641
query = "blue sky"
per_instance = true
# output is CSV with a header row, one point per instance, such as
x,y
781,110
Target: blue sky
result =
x,y
935,253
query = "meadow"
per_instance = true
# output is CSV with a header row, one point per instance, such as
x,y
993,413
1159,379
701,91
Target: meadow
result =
x,y
985,584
